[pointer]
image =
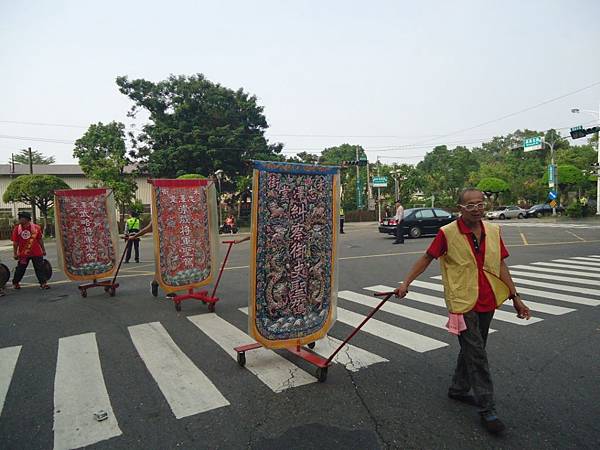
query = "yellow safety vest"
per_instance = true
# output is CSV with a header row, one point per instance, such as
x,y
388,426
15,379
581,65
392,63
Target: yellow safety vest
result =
x,y
459,268
133,223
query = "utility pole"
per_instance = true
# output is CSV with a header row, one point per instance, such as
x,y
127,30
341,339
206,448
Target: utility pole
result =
x,y
598,179
358,193
378,196
33,213
554,171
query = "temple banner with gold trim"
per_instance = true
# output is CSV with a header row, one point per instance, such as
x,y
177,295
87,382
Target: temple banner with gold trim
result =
x,y
293,263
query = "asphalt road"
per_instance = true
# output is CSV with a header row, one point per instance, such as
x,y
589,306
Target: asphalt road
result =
x,y
388,391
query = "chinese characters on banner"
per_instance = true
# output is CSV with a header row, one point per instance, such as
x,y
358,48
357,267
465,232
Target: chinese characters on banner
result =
x,y
185,232
293,282
86,232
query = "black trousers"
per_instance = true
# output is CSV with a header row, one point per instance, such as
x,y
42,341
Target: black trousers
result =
x,y
400,232
341,224
37,266
472,370
135,243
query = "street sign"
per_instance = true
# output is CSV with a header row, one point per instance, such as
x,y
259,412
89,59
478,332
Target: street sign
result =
x,y
534,143
551,175
379,182
553,203
552,195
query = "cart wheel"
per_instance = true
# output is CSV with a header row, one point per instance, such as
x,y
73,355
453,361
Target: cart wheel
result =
x,y
106,288
321,374
112,291
154,288
211,307
83,293
241,359
312,345
177,307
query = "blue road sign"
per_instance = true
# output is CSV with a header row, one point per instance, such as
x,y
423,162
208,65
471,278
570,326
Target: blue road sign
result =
x,y
552,195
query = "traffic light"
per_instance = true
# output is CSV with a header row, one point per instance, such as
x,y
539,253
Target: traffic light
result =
x,y
360,162
579,132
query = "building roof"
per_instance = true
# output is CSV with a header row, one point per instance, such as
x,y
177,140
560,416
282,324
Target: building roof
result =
x,y
47,169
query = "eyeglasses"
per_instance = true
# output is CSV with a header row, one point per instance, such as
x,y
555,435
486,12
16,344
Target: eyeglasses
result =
x,y
473,207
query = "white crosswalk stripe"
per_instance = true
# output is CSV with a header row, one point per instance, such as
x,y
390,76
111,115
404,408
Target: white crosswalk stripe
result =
x,y
185,387
534,306
555,286
79,392
572,265
559,271
584,258
549,225
552,277
8,361
273,370
351,357
578,262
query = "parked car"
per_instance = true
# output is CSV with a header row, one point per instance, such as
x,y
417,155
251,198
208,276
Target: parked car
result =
x,y
506,212
418,222
543,209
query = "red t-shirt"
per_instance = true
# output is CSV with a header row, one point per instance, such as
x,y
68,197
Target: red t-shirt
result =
x,y
28,238
486,301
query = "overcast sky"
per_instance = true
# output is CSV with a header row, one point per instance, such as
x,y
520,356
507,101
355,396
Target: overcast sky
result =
x,y
382,74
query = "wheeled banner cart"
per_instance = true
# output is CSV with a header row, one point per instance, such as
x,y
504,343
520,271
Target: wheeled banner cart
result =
x,y
86,233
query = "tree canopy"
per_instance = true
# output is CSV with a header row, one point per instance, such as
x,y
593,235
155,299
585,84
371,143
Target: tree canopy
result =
x,y
36,157
197,126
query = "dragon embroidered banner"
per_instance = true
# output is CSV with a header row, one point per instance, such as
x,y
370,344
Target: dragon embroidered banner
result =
x,y
86,233
184,220
293,283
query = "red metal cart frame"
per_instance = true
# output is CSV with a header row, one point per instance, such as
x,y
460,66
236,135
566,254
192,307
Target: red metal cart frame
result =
x,y
109,286
310,356
203,296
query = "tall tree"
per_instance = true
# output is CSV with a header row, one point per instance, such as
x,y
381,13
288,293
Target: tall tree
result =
x,y
197,126
35,189
347,152
37,157
103,157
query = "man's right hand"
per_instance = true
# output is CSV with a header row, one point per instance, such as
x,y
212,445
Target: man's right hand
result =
x,y
401,291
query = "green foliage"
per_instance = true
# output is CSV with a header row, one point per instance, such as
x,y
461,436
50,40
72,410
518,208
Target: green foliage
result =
x,y
191,176
575,209
37,157
492,185
137,206
197,126
304,157
347,152
103,157
38,189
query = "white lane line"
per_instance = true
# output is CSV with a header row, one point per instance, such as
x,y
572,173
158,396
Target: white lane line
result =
x,y
397,335
351,357
534,306
571,265
557,286
185,387
584,258
560,271
594,256
273,370
417,315
578,262
500,315
551,277
79,392
8,361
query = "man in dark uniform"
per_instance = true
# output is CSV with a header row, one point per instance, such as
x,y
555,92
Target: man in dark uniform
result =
x,y
132,226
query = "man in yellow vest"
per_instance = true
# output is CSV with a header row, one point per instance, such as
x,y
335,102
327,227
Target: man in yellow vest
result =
x,y
132,226
476,282
342,217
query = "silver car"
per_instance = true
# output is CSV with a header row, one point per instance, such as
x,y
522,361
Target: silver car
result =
x,y
506,212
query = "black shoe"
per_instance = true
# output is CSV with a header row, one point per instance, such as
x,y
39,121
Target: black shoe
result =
x,y
125,262
137,261
465,398
397,242
491,423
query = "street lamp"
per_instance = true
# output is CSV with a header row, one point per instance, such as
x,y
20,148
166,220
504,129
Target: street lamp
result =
x,y
597,114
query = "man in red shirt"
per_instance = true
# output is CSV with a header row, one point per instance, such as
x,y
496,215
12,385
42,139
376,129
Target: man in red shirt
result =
x,y
473,301
28,244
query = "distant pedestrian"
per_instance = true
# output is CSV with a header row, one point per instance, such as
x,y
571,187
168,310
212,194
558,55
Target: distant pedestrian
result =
x,y
399,223
28,245
388,211
132,226
476,282
342,218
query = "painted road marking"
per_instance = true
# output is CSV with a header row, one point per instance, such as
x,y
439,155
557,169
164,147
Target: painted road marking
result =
x,y
273,370
79,392
560,271
524,239
351,357
8,361
551,277
590,258
185,387
566,266
578,262
557,286
397,335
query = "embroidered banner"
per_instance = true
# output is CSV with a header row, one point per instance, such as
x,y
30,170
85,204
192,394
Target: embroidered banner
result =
x,y
293,282
86,233
184,220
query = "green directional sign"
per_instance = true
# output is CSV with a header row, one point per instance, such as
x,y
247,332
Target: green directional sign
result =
x,y
379,182
534,143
